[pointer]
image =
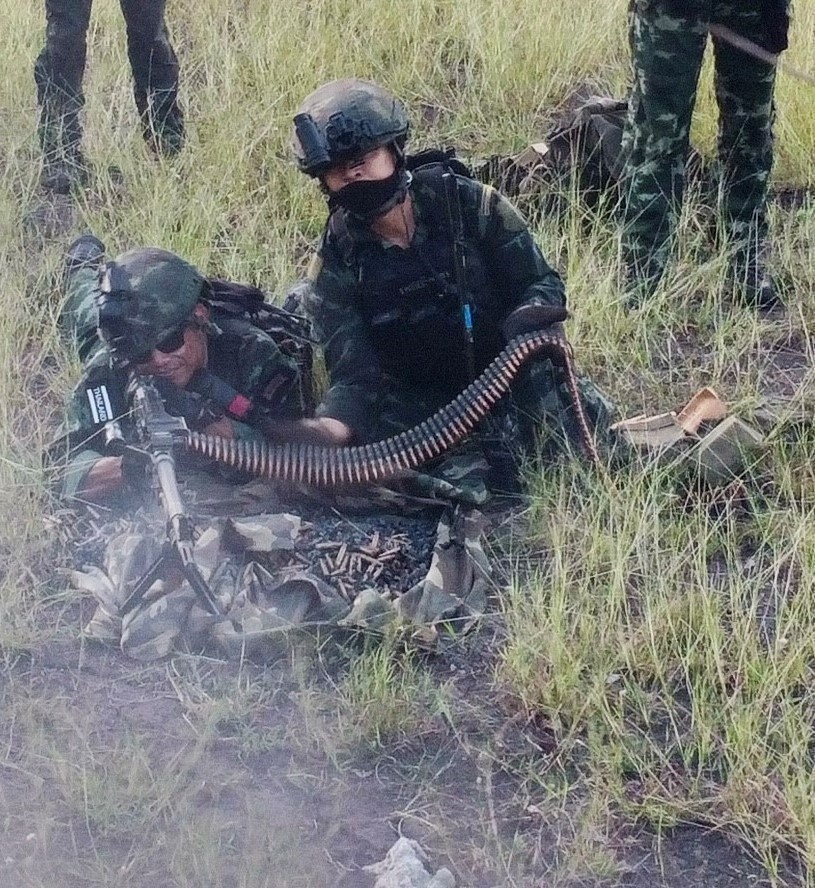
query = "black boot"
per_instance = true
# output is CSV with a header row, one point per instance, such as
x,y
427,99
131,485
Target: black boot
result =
x,y
640,281
162,121
752,280
64,172
87,251
60,132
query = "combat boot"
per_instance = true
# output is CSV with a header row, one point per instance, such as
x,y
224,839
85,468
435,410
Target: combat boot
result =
x,y
162,122
87,251
63,173
60,133
169,133
640,281
752,280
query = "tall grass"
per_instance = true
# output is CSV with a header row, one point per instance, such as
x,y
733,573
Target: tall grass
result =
x,y
668,641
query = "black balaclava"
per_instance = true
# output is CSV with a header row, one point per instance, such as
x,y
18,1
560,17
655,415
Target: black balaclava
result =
x,y
367,200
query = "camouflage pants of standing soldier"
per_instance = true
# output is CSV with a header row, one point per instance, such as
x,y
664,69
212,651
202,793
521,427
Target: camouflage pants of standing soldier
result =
x,y
60,66
668,39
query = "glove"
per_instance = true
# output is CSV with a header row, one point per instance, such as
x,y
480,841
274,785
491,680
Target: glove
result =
x,y
529,318
544,318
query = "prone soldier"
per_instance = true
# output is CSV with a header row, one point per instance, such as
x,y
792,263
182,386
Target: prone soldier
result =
x,y
151,312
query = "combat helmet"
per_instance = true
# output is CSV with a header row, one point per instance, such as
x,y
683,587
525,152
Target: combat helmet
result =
x,y
344,119
145,295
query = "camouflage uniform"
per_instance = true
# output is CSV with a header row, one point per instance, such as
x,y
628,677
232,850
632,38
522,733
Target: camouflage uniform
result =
x,y
390,322
77,317
60,66
668,40
238,353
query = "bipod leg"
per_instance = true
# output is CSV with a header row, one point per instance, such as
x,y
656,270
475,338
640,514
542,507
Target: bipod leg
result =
x,y
169,557
192,573
153,573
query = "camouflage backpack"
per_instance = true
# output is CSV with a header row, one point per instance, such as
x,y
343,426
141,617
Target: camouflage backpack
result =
x,y
290,331
585,146
585,151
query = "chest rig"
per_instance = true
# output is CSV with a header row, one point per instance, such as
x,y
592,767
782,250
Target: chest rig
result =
x,y
408,297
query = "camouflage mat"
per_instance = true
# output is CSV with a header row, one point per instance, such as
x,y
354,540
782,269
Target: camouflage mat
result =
x,y
271,596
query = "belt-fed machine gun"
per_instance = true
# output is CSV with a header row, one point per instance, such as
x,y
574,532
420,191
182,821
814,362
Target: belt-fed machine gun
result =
x,y
533,331
158,434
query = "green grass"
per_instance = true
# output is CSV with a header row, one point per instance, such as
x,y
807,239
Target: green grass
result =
x,y
668,643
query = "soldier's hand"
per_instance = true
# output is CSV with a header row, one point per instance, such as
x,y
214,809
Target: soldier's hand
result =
x,y
104,478
531,318
316,430
540,318
222,427
198,412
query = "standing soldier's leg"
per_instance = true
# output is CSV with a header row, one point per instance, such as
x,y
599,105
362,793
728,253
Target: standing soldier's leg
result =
x,y
547,414
744,92
155,74
668,42
58,74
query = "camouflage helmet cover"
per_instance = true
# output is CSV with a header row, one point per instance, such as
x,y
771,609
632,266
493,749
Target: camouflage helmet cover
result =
x,y
344,119
144,295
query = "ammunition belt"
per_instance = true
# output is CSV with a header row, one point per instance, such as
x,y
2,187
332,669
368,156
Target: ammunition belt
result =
x,y
326,466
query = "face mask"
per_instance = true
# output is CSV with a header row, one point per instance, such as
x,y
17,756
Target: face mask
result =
x,y
367,200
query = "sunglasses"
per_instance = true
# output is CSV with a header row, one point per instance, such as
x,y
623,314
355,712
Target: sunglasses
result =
x,y
172,342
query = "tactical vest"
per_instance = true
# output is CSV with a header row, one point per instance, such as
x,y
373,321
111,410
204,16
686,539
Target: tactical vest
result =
x,y
407,297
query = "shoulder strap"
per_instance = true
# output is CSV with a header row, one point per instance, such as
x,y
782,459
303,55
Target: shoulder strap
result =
x,y
338,229
234,298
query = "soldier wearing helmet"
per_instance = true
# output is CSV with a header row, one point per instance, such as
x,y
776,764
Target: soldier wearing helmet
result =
x,y
341,123
385,304
148,311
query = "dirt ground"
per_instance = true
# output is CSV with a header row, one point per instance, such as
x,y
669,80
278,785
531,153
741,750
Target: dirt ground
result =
x,y
119,773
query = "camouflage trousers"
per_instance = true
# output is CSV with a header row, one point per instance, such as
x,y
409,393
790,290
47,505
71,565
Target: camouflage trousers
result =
x,y
77,316
60,67
668,39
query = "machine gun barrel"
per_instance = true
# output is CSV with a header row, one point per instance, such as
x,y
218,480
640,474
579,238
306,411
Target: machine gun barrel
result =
x,y
159,434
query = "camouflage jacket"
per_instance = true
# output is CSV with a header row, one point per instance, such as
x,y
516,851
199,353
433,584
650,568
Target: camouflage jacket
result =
x,y
385,313
241,355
